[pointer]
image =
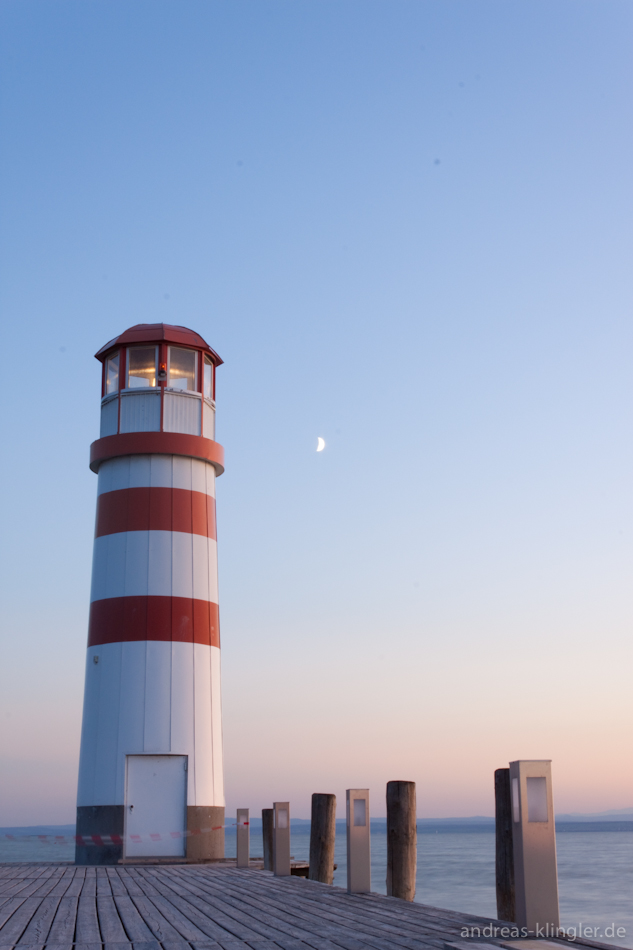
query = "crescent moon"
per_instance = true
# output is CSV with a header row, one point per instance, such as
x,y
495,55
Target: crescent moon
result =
x,y
320,444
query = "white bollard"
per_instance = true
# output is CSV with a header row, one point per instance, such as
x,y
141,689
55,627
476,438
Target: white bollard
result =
x,y
358,842
534,846
281,839
243,838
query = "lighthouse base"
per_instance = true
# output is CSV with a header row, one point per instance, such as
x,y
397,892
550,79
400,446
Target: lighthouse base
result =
x,y
205,837
96,821
205,833
205,841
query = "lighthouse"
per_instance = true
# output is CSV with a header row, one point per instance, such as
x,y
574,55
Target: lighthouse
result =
x,y
150,768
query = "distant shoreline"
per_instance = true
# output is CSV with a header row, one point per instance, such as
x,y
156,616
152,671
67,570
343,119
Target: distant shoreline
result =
x,y
378,825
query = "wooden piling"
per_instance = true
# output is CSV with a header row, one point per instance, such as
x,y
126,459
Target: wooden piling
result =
x,y
504,857
402,852
322,837
267,834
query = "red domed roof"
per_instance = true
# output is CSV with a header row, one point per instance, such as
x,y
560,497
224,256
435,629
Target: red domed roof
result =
x,y
158,333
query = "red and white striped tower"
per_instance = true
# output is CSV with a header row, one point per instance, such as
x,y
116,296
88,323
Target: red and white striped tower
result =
x,y
150,771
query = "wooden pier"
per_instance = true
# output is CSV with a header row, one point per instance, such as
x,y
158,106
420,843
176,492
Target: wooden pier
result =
x,y
209,907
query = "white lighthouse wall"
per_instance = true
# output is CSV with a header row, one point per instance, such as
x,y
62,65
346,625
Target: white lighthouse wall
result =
x,y
109,416
151,697
155,563
208,421
216,724
158,698
181,413
156,471
140,412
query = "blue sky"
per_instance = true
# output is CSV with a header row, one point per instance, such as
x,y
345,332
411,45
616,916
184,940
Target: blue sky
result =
x,y
406,228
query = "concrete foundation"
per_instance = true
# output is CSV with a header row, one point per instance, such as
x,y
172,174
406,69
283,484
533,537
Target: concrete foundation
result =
x,y
208,845
99,820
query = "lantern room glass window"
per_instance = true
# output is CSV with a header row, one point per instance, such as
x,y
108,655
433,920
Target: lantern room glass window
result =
x,y
208,378
141,367
182,368
112,374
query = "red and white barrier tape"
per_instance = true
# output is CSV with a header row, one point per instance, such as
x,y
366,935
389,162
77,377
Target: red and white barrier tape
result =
x,y
101,840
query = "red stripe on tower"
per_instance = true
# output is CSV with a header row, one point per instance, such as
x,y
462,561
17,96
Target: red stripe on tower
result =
x,y
155,509
125,619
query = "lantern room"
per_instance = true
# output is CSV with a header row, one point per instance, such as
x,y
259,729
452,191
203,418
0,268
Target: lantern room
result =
x,y
158,378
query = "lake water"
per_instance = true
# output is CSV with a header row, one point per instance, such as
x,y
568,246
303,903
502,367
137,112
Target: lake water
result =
x,y
456,871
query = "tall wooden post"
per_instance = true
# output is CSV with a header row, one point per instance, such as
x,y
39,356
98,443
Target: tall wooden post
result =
x,y
243,838
267,834
322,838
402,852
504,856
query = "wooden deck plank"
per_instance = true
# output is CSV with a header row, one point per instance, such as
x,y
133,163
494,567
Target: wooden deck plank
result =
x,y
112,930
25,870
354,929
343,932
306,930
87,927
278,928
276,900
75,886
135,927
7,910
185,920
41,922
157,923
167,924
23,886
12,930
116,883
129,882
104,888
63,928
8,886
60,888
220,926
360,908
231,943
46,887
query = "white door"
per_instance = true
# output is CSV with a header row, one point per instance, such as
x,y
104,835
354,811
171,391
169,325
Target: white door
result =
x,y
155,806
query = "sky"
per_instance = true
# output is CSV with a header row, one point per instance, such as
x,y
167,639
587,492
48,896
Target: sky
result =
x,y
406,227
